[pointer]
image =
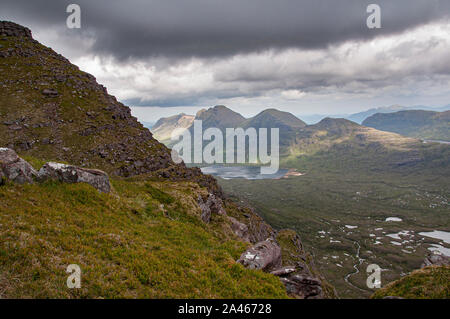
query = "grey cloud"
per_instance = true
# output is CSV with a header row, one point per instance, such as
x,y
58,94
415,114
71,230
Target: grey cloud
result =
x,y
205,28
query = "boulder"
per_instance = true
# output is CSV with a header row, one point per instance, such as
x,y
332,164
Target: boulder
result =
x,y
303,286
72,174
14,168
265,255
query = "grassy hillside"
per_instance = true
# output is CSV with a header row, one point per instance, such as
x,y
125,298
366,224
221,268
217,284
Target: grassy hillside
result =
x,y
428,283
419,124
144,240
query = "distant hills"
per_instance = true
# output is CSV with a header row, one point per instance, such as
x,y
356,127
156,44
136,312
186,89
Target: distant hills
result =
x,y
219,116
361,116
164,127
413,123
332,140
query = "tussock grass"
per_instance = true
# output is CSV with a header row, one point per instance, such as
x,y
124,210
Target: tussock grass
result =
x,y
124,242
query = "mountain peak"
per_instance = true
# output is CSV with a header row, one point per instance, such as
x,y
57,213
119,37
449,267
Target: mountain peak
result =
x,y
219,116
272,118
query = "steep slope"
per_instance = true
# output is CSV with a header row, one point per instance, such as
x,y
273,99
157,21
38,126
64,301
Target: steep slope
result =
x,y
163,128
420,124
145,240
51,110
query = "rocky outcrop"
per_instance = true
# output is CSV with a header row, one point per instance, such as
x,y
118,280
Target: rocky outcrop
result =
x,y
14,168
285,257
302,286
239,229
265,255
209,206
436,260
72,174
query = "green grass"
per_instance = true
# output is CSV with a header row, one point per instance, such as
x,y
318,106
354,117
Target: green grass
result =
x,y
126,243
428,283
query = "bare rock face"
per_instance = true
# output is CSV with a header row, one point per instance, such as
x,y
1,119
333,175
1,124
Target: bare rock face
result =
x,y
73,174
239,229
265,255
302,286
436,260
14,168
211,205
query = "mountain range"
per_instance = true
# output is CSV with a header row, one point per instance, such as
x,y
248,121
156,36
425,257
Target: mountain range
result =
x,y
414,123
297,138
361,116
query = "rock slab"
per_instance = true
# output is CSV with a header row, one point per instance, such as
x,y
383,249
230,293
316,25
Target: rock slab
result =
x,y
265,255
14,168
72,174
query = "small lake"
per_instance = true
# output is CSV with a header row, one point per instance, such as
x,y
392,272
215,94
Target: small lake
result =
x,y
247,172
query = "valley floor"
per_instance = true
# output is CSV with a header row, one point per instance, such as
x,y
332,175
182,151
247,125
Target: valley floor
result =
x,y
350,220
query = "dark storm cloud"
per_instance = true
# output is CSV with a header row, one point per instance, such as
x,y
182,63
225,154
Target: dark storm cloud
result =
x,y
206,28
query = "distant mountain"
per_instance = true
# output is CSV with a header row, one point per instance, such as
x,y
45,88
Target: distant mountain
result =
x,y
316,118
286,122
163,128
414,123
361,116
220,117
272,118
342,144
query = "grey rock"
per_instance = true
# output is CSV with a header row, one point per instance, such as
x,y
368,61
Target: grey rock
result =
x,y
239,229
14,168
72,174
436,260
284,271
302,286
212,205
265,255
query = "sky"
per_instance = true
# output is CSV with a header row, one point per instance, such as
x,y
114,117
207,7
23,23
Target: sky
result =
x,y
163,57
